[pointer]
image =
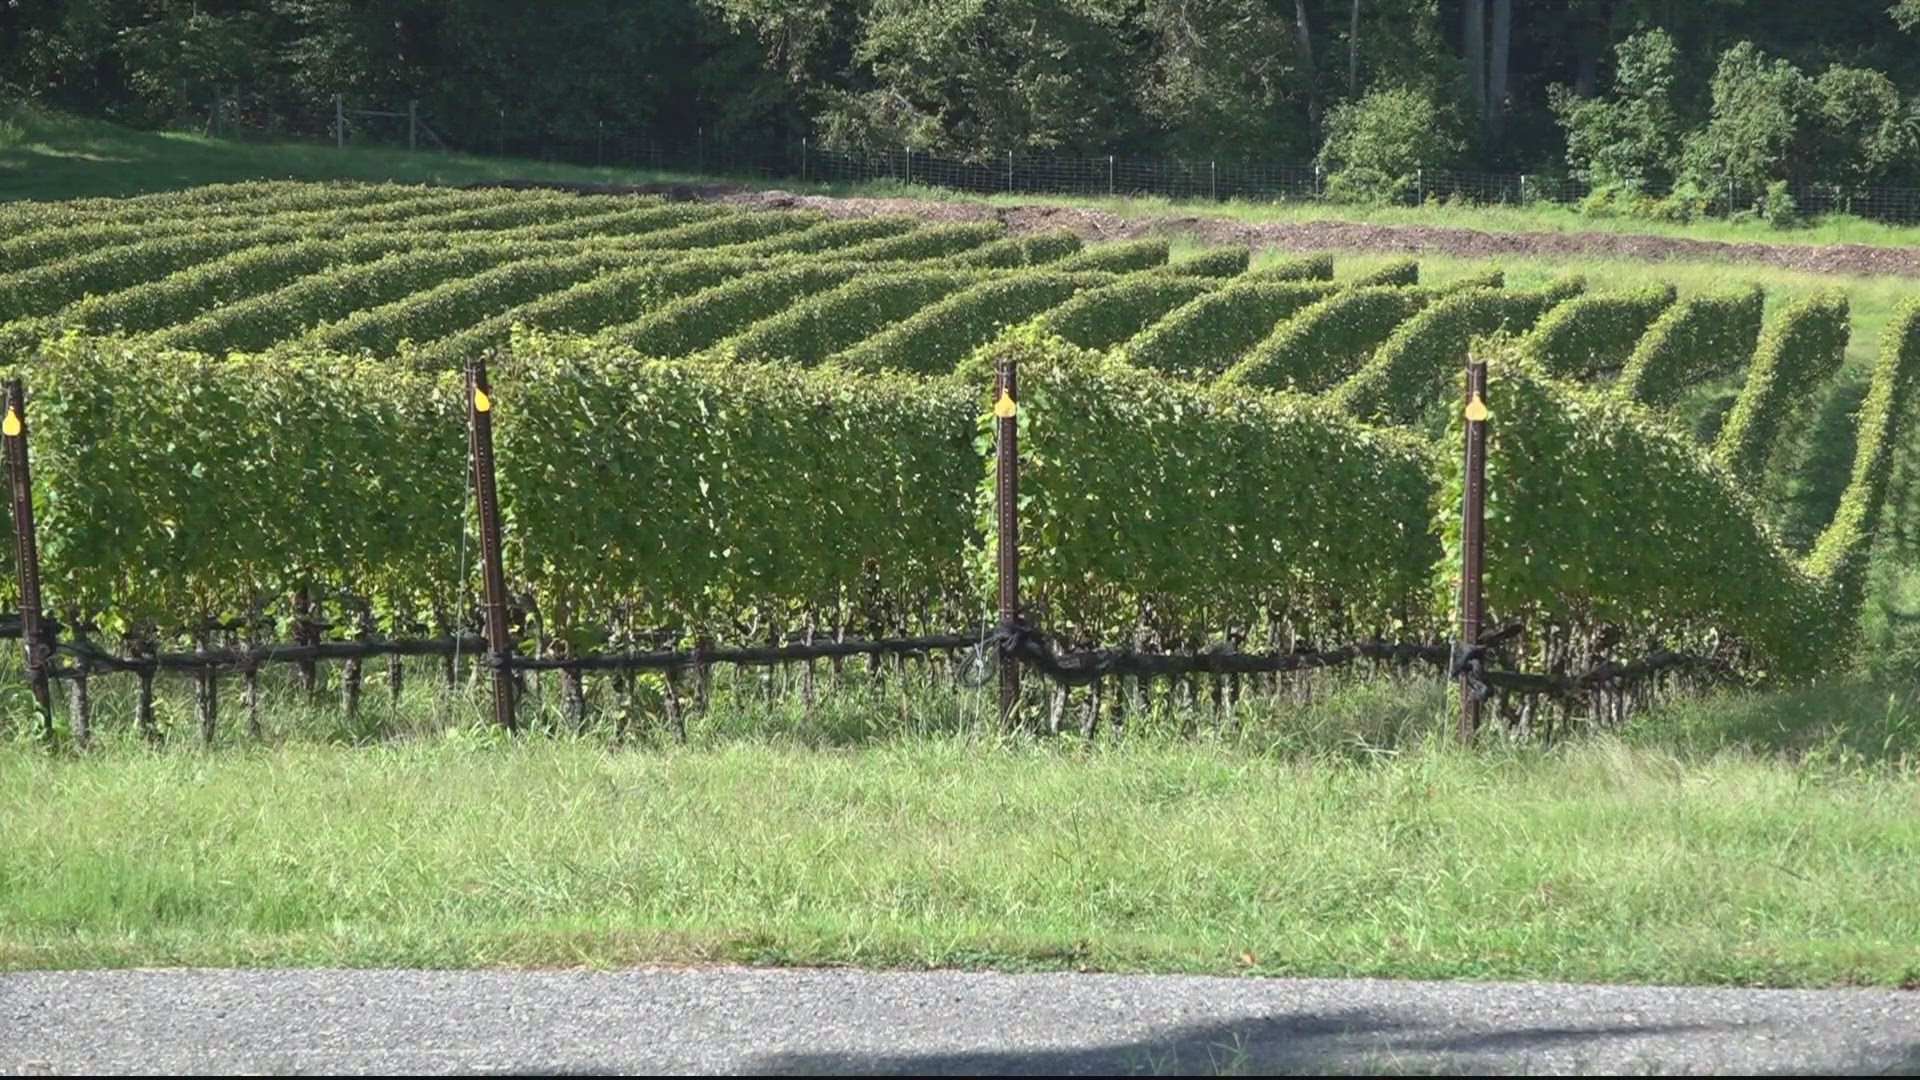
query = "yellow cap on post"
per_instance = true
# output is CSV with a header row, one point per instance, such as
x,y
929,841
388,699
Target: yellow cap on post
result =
x,y
1004,408
12,426
481,402
1477,409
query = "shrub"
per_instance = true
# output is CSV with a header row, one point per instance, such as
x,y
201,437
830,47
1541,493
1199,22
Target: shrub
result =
x,y
932,242
1396,272
1428,352
826,323
832,235
1224,262
693,323
1120,257
1210,333
1375,146
1494,278
1316,267
1698,338
1329,340
1803,345
1107,316
1035,249
939,337
1594,333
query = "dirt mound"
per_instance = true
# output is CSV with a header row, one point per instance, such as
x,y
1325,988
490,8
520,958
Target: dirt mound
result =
x,y
1095,225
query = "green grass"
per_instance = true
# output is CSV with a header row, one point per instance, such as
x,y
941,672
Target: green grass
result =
x,y
50,156
1740,840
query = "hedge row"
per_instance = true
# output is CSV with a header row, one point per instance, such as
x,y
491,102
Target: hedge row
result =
x,y
247,198
932,242
1107,316
740,227
454,305
255,324
1426,355
720,490
53,236
1034,249
939,337
828,322
1698,338
833,235
590,306
1803,345
1210,333
44,246
1496,278
1397,272
1316,267
1327,341
1212,507
1223,262
693,323
628,220
1120,257
1595,333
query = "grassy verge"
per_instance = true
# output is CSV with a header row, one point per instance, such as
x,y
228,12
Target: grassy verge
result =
x,y
55,157
1742,840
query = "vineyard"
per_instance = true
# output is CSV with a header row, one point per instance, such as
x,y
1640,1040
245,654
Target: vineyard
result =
x,y
760,430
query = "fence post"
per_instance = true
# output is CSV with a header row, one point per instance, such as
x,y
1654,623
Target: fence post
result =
x,y
599,144
480,432
340,120
909,178
413,124
1523,189
1009,172
803,159
1473,533
1213,180
26,563
1420,185
1006,481
1109,175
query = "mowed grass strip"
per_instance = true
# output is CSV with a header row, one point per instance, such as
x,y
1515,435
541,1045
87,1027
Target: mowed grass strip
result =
x,y
1595,862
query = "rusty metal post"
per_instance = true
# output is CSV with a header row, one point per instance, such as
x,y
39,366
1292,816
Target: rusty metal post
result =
x,y
480,434
1006,479
26,563
1473,536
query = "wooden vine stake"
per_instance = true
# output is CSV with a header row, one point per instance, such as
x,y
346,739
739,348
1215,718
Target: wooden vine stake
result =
x,y
1006,480
1473,534
480,438
33,633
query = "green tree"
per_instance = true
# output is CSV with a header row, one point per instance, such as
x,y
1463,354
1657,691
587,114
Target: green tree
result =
x,y
1633,137
1375,146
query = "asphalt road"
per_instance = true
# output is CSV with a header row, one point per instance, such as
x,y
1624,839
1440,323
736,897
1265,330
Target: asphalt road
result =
x,y
730,1020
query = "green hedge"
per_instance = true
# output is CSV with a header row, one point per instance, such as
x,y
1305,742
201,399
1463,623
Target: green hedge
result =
x,y
1034,249
286,313
932,242
1212,507
1397,272
939,337
1223,262
629,220
1595,333
1803,345
1427,354
693,323
722,489
1119,257
592,305
1211,333
1107,316
1494,278
1698,338
453,305
833,235
1328,340
46,289
825,323
1315,267
181,296
743,227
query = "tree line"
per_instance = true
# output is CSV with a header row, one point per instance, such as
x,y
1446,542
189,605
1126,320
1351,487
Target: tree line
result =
x,y
1629,94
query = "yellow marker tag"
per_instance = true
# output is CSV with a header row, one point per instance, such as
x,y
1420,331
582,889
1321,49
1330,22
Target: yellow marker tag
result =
x,y
481,402
1004,408
12,426
1477,409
